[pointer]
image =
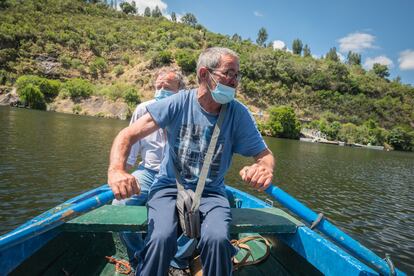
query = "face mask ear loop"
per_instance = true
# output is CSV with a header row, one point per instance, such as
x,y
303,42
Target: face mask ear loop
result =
x,y
208,86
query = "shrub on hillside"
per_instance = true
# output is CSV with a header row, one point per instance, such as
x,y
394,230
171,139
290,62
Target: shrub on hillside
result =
x,y
139,45
118,70
284,123
401,139
31,96
161,58
49,88
97,66
126,59
187,61
76,63
3,76
66,61
185,42
121,91
348,133
131,97
76,88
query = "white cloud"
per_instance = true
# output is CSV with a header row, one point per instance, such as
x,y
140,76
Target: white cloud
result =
x,y
177,15
278,44
142,4
356,42
257,13
341,56
369,62
406,60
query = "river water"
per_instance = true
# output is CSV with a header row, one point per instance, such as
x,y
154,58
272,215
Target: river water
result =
x,y
46,158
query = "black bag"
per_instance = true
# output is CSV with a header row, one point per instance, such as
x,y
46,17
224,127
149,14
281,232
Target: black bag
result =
x,y
189,220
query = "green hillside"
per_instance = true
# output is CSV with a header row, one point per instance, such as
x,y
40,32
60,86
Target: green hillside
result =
x,y
91,49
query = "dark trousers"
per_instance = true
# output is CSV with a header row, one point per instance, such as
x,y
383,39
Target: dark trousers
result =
x,y
161,242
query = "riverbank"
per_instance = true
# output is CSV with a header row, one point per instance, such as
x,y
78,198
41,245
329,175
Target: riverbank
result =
x,y
93,105
316,136
97,106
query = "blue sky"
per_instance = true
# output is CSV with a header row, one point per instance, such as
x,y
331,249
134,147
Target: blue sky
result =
x,y
382,31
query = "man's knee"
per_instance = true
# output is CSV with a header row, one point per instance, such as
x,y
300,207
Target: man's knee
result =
x,y
215,236
163,237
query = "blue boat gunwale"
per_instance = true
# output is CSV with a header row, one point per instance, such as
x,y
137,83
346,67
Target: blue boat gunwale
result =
x,y
99,196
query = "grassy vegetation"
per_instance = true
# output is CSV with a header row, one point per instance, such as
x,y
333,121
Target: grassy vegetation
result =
x,y
88,49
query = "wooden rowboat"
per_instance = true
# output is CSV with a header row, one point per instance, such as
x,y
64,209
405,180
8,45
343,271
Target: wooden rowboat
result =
x,y
75,237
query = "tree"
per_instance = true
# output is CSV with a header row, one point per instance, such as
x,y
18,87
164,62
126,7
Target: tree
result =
x,y
401,139
261,37
354,58
332,55
98,65
131,97
381,70
186,60
306,51
156,12
297,46
128,8
32,96
147,12
236,38
48,88
173,17
162,58
284,123
4,75
189,19
75,88
397,79
3,4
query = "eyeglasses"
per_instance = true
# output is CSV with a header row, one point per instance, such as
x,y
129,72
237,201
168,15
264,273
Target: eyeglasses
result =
x,y
229,74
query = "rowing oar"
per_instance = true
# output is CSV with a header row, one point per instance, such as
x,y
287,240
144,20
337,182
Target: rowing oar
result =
x,y
330,230
56,219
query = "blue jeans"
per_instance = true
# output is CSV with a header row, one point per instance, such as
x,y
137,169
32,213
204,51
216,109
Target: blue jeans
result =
x,y
133,241
161,242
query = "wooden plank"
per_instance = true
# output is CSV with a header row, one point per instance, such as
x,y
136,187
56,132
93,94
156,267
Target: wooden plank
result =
x,y
262,220
110,218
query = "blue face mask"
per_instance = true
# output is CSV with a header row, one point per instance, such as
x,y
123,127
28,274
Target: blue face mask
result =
x,y
163,93
222,94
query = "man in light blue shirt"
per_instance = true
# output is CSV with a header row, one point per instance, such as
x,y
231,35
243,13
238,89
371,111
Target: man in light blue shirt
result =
x,y
189,119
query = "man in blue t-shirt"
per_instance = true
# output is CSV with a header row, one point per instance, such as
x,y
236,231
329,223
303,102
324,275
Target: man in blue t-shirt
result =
x,y
189,119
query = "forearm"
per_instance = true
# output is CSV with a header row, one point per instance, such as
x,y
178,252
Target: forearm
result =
x,y
122,183
266,159
119,151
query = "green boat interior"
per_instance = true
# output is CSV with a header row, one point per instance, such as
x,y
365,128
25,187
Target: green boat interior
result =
x,y
85,241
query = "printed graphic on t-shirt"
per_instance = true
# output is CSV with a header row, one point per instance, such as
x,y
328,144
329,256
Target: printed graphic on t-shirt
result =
x,y
191,146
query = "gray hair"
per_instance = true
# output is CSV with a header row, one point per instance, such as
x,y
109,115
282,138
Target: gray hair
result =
x,y
211,57
178,75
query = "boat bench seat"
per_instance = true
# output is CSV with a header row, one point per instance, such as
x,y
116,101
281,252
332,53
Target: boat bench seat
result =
x,y
111,218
